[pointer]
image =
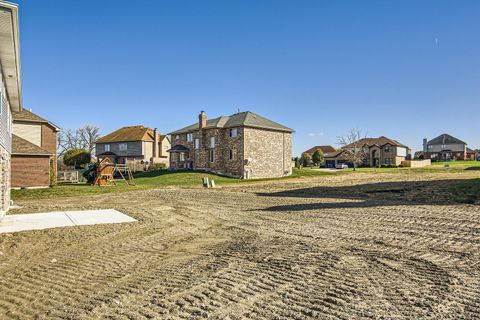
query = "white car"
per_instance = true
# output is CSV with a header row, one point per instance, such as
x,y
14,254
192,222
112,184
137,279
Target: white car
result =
x,y
341,166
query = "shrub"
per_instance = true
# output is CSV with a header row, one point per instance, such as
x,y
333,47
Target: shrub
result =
x,y
157,166
388,166
53,173
76,158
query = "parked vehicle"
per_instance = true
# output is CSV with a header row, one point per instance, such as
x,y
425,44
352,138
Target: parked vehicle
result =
x,y
341,166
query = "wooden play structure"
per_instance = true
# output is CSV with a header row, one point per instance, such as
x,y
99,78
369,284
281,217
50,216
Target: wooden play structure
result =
x,y
106,170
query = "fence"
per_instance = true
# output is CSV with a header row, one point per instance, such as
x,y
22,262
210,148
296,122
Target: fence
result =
x,y
70,176
416,163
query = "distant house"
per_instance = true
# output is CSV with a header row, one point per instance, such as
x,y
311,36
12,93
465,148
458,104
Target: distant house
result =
x,y
324,149
446,147
134,144
243,145
34,150
379,151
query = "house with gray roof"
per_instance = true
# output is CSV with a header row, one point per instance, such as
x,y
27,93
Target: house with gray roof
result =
x,y
446,148
243,145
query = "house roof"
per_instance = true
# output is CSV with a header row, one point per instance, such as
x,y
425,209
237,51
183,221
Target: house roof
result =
x,y
25,115
333,154
178,148
241,119
325,149
133,133
445,139
10,53
21,146
380,141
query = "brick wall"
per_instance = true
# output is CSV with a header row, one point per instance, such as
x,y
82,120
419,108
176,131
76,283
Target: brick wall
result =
x,y
49,142
30,171
270,153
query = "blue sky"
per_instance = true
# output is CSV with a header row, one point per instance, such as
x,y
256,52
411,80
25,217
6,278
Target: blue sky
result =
x,y
404,69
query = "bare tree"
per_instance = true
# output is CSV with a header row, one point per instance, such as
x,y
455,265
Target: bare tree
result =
x,y
354,147
81,138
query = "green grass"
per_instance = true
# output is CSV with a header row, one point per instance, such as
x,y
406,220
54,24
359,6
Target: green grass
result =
x,y
148,180
454,164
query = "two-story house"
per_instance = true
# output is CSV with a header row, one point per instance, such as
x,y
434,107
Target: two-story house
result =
x,y
378,151
10,93
34,150
243,145
445,148
130,145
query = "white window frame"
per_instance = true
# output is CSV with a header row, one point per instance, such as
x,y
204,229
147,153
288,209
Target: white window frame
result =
x,y
189,137
197,143
212,142
233,132
123,147
182,156
106,147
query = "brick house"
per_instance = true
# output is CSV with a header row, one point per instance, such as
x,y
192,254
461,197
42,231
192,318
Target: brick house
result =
x,y
243,145
34,150
10,94
446,147
379,151
134,144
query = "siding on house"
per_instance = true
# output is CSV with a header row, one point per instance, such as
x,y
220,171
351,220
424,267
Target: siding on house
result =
x,y
134,148
29,131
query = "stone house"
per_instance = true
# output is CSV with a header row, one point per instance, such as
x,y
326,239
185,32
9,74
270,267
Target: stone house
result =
x,y
10,94
379,151
34,150
446,147
243,145
135,144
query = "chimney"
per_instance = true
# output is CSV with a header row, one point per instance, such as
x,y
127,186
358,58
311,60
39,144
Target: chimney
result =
x,y
425,143
202,120
155,144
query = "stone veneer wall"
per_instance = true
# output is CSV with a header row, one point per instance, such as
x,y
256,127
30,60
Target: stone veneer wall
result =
x,y
4,181
270,153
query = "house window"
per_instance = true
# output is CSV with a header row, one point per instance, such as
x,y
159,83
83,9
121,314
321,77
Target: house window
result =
x,y
182,156
122,147
177,136
444,146
212,142
189,137
433,156
233,133
107,147
231,154
388,161
430,146
388,149
197,143
212,155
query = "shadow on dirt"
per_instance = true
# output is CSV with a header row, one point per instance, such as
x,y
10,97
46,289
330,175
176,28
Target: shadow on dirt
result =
x,y
439,192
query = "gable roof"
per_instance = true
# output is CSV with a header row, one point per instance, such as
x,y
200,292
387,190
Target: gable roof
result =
x,y
380,141
128,134
445,139
325,149
25,115
21,146
241,119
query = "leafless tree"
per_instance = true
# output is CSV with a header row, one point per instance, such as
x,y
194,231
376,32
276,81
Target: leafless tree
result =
x,y
354,146
81,138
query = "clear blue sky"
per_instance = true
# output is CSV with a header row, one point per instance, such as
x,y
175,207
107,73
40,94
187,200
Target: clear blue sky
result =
x,y
404,69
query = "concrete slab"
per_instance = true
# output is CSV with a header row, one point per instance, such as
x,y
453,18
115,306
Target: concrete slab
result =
x,y
47,220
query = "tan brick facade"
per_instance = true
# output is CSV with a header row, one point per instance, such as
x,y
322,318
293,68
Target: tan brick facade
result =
x,y
251,153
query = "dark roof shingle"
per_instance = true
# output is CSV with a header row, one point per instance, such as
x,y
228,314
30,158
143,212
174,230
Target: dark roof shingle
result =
x,y
21,146
445,139
133,133
241,119
325,149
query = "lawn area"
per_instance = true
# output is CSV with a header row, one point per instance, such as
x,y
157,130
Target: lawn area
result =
x,y
149,180
467,192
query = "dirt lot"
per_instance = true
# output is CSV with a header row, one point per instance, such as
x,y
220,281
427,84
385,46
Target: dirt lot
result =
x,y
353,246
